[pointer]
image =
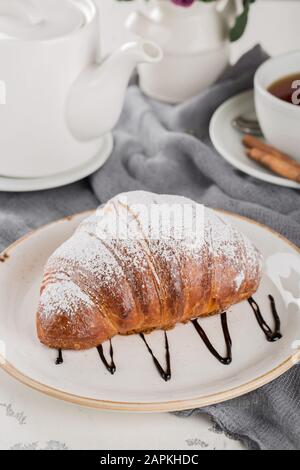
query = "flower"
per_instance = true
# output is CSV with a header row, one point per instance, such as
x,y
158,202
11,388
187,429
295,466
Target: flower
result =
x,y
183,3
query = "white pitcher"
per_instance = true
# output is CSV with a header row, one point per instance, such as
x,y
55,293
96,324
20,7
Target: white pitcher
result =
x,y
195,45
58,97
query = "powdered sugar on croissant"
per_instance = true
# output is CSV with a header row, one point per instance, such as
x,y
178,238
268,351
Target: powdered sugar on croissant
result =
x,y
142,262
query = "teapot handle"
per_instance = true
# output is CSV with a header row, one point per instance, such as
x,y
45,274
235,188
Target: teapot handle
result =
x,y
21,9
230,10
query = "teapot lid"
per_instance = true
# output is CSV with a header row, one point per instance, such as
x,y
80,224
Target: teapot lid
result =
x,y
41,19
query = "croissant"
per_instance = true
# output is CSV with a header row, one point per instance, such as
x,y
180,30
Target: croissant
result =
x,y
143,262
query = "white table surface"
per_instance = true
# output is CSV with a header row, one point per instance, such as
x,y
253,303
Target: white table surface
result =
x,y
30,420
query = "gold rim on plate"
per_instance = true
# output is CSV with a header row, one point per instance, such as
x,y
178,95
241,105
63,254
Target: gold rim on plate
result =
x,y
176,405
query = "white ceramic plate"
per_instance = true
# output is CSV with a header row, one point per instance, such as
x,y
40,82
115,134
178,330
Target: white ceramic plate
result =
x,y
198,379
62,179
228,141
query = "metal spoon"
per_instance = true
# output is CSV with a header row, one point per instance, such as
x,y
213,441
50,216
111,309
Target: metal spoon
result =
x,y
247,125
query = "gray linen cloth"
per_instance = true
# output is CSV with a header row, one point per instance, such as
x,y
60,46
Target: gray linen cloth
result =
x,y
166,149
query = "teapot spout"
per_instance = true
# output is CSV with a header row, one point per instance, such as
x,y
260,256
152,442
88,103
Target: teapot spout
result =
x,y
96,99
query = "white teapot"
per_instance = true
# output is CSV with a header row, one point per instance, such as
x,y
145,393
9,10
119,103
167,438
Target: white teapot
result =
x,y
194,41
57,96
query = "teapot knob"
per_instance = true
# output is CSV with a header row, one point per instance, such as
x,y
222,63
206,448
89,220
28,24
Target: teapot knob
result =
x,y
145,27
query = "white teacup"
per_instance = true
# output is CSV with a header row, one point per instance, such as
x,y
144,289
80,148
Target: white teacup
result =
x,y
279,120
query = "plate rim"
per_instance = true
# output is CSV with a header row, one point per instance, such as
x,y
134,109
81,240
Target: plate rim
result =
x,y
163,406
253,172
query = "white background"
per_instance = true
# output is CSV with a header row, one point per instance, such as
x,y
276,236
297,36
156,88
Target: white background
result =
x,y
31,420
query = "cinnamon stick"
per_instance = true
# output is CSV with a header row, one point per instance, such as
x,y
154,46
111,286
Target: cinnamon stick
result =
x,y
271,158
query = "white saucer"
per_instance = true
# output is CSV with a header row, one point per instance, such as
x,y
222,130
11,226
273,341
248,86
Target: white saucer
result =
x,y
62,179
228,141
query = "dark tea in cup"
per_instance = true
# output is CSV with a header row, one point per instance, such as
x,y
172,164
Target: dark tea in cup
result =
x,y
287,89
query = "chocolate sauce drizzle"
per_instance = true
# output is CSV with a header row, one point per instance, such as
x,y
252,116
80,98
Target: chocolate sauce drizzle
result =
x,y
60,358
112,366
271,336
224,360
165,374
